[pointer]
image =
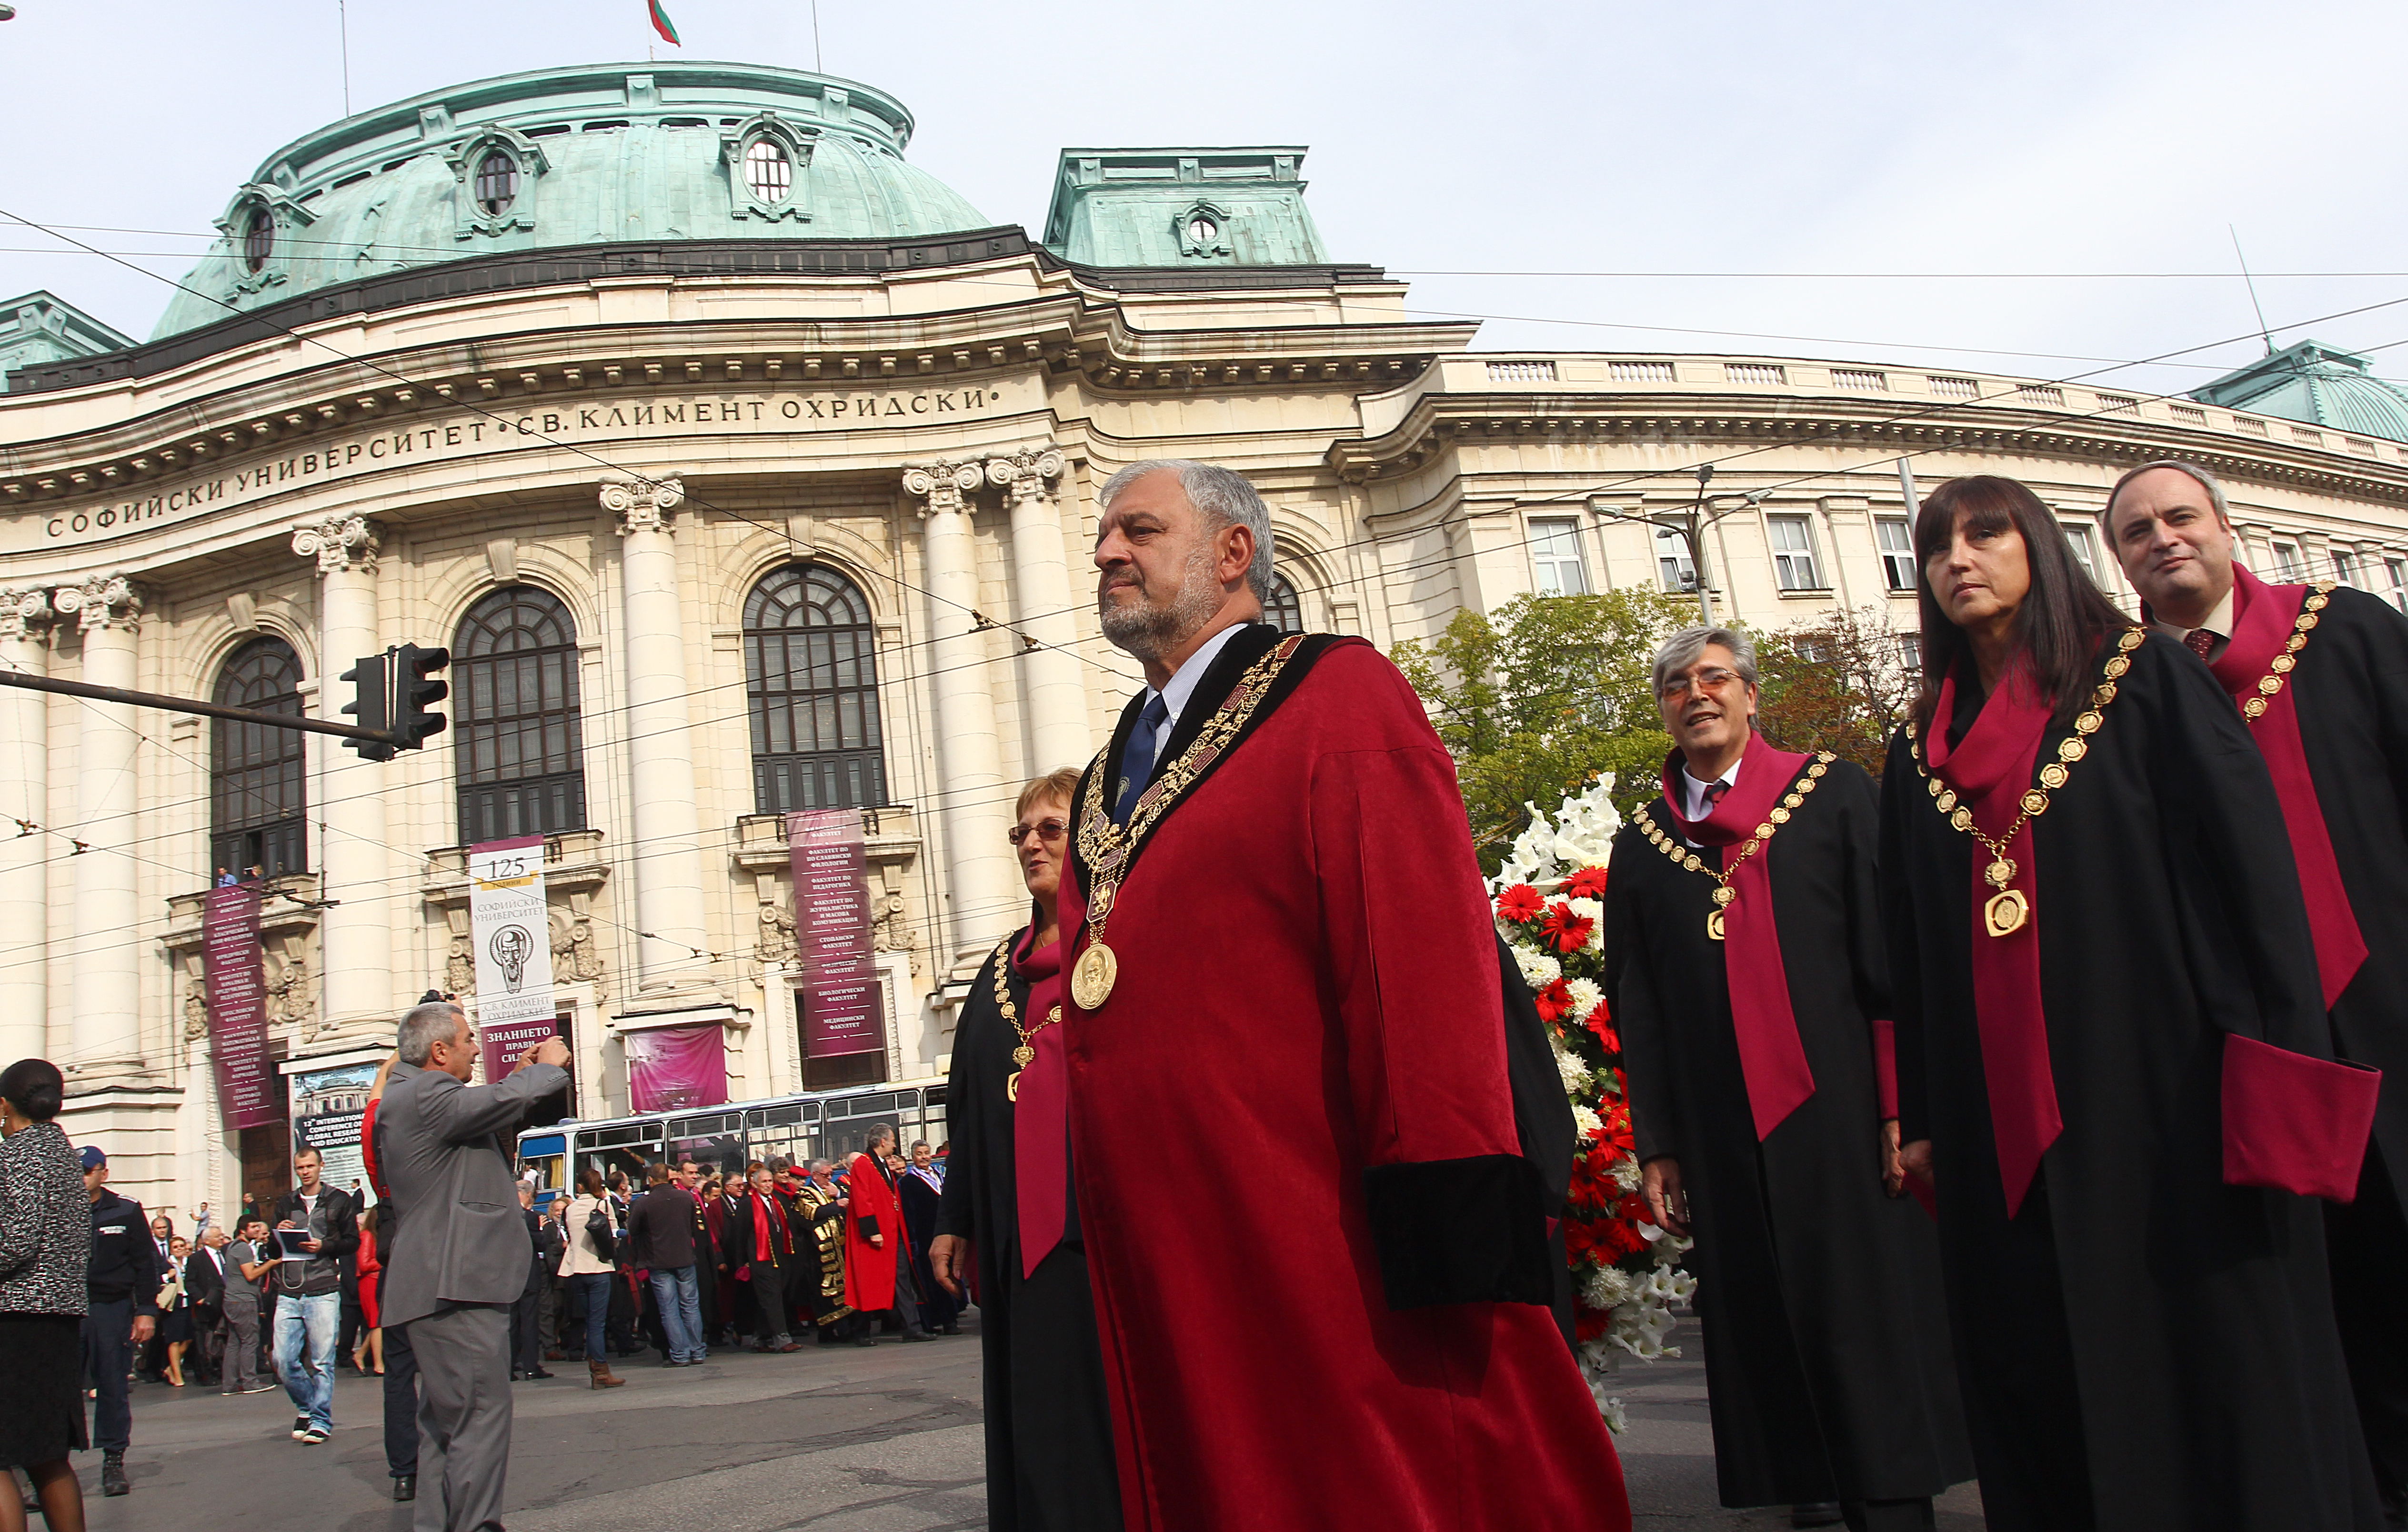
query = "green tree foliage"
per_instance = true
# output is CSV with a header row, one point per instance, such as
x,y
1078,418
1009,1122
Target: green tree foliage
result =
x,y
1540,695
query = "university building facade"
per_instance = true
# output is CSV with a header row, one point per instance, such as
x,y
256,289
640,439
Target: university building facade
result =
x,y
745,468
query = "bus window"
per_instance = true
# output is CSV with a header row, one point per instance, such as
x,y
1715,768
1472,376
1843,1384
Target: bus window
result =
x,y
713,1140
630,1147
547,1155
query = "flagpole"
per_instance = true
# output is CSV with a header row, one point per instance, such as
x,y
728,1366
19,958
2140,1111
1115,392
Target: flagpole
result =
x,y
343,20
819,66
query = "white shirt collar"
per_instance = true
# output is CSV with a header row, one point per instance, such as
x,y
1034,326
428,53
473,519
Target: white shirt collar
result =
x,y
1694,791
2219,622
1183,682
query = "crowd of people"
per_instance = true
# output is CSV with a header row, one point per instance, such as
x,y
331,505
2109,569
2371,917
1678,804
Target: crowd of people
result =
x,y
2100,972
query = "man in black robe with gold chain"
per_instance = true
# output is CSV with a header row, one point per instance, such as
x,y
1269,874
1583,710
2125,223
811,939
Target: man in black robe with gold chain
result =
x,y
1745,972
2321,676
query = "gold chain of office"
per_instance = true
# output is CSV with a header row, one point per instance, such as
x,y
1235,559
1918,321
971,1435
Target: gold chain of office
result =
x,y
2319,594
2005,911
1109,848
1026,1053
1725,895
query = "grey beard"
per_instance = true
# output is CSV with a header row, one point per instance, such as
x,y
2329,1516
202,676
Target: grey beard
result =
x,y
1150,629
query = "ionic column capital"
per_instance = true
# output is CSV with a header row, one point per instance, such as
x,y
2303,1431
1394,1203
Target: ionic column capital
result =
x,y
644,504
337,542
943,484
103,601
1027,473
24,611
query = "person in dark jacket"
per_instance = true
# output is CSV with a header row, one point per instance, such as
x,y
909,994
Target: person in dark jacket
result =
x,y
309,1293
526,1335
662,1230
121,1284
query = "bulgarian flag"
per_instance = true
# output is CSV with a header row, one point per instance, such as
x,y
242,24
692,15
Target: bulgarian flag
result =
x,y
662,24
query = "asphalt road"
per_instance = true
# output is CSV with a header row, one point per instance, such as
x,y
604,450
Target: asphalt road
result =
x,y
878,1439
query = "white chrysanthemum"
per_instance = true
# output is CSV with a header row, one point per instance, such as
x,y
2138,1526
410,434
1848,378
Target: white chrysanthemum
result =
x,y
1586,996
1607,1286
1625,1173
1538,970
1587,1123
1574,1073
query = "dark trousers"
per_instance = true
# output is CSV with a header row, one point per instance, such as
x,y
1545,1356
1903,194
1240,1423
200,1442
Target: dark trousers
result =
x,y
526,1335
769,1303
209,1343
400,1402
107,1335
2367,1244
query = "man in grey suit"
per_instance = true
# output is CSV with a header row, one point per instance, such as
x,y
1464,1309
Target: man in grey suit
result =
x,y
447,1147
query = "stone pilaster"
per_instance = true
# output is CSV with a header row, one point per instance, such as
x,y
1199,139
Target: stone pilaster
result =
x,y
665,818
1058,730
25,798
986,897
107,609
348,792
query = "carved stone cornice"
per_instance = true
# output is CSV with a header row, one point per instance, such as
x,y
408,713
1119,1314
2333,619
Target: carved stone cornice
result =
x,y
644,504
103,601
24,611
943,484
1028,473
337,542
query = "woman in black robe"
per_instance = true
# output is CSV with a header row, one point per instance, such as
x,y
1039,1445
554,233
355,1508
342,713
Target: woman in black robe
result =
x,y
1048,1430
2105,996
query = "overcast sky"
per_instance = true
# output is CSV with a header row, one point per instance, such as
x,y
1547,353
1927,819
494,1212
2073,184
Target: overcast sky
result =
x,y
1464,146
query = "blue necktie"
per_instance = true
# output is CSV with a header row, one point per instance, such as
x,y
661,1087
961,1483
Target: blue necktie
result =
x,y
1137,757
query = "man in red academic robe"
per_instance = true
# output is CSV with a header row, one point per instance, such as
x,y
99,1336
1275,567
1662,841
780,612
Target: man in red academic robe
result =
x,y
2321,676
874,1281
1320,1262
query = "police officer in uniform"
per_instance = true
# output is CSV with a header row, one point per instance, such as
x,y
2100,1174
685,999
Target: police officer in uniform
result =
x,y
123,1285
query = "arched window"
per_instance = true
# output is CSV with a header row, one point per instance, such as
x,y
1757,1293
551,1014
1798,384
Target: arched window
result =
x,y
767,173
257,814
497,182
258,238
1283,610
516,737
810,670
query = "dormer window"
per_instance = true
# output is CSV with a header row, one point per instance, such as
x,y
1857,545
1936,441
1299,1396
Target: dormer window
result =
x,y
497,182
768,174
258,240
1202,231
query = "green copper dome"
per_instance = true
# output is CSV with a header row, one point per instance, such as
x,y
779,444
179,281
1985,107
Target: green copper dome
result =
x,y
597,154
2318,385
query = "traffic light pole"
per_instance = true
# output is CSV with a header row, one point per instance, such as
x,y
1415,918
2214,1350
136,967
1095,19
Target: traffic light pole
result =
x,y
206,709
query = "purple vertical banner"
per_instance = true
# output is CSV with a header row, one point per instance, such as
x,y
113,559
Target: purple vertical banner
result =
x,y
840,1004
233,971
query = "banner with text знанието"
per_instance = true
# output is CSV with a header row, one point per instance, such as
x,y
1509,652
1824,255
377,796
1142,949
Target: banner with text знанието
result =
x,y
511,929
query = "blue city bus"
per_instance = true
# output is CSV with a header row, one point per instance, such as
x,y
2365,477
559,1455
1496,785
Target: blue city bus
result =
x,y
816,1124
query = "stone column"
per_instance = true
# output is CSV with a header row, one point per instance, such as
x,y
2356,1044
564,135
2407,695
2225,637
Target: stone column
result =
x,y
663,819
1058,732
25,791
354,865
987,898
107,961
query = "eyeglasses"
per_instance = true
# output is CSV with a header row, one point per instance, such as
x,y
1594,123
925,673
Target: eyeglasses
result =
x,y
1712,678
1044,829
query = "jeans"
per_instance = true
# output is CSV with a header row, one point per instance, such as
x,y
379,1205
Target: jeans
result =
x,y
108,1339
305,1352
595,1286
679,1302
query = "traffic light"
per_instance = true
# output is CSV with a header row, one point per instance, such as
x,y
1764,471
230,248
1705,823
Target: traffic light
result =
x,y
419,692
367,705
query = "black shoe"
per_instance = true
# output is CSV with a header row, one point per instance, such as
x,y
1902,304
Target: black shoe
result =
x,y
405,1486
516,1375
112,1474
300,1426
951,1329
541,1373
865,1339
918,1334
1816,1513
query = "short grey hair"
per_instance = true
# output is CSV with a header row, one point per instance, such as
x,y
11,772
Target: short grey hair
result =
x,y
2197,475
1223,498
1682,650
424,1025
818,1165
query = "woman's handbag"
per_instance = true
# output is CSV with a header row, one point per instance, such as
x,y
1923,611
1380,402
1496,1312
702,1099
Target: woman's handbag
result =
x,y
598,1230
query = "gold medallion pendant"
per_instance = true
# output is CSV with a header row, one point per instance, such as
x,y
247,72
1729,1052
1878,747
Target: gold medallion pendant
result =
x,y
1091,979
2006,911
1714,924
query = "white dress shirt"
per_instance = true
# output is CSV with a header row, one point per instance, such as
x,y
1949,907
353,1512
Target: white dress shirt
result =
x,y
1181,690
1693,792
2219,624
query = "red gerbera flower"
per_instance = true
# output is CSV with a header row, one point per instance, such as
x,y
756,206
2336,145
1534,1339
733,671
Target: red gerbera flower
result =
x,y
1555,1000
1587,883
1519,904
1567,931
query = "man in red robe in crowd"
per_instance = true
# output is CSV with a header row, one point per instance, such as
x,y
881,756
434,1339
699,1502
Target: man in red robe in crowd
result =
x,y
2320,673
873,1234
1321,1264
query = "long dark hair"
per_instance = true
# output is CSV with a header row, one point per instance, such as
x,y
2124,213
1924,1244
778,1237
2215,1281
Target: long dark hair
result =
x,y
2062,619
